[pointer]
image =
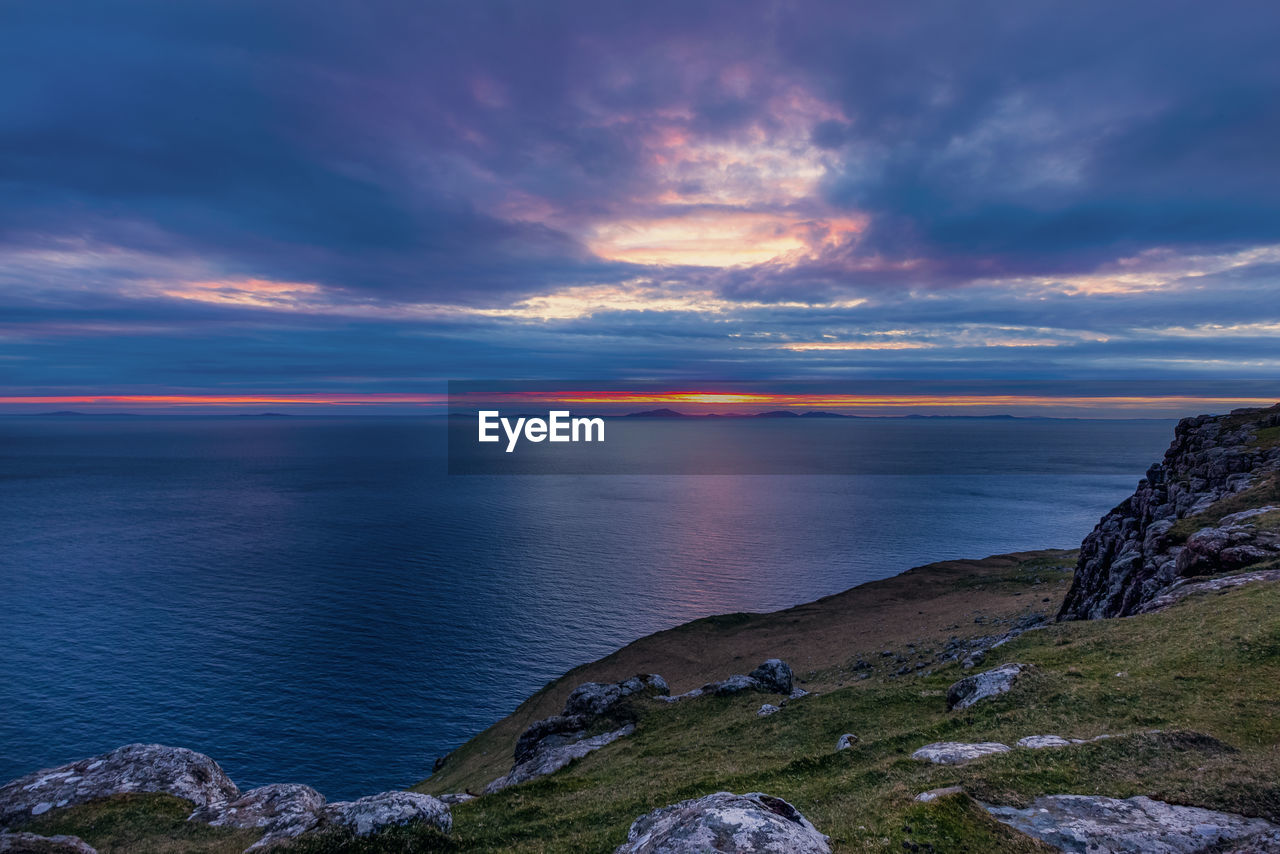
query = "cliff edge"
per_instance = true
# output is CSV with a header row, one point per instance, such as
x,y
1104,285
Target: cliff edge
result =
x,y
1211,506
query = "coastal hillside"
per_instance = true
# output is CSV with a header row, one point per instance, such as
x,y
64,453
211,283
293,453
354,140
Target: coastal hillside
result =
x,y
942,710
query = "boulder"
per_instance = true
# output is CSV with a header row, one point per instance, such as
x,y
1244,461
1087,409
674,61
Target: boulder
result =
x,y
773,675
559,729
547,759
132,768
846,741
754,823
1040,742
456,798
280,811
1138,825
31,843
934,794
766,710
957,752
979,686
593,699
388,809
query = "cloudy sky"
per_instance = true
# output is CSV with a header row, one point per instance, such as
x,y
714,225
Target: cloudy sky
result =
x,y
373,197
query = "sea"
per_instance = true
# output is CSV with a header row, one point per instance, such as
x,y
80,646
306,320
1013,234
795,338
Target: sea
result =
x,y
317,600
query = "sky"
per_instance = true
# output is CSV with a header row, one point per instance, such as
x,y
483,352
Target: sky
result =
x,y
240,199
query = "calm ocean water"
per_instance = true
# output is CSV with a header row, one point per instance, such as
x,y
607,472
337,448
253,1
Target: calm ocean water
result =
x,y
316,601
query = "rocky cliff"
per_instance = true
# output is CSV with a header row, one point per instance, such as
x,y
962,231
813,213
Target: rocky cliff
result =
x,y
1211,506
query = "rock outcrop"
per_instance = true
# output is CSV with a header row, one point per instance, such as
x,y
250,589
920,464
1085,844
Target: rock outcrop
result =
x,y
1138,826
772,677
388,809
547,759
846,741
1142,547
958,752
279,811
980,686
132,768
550,744
754,823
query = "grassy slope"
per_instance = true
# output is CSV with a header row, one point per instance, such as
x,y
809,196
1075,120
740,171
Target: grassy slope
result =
x,y
1206,672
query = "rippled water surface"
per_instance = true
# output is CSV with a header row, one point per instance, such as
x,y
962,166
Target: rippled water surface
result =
x,y
316,601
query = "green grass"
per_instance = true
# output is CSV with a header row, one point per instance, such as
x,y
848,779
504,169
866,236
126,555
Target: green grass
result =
x,y
1206,673
145,824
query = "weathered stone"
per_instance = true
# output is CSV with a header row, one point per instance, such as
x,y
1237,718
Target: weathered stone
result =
x,y
1040,742
1183,589
766,710
846,741
934,794
388,809
559,729
957,752
1139,825
132,768
989,683
548,759
735,684
31,843
281,811
1129,559
797,693
593,699
773,675
454,798
754,823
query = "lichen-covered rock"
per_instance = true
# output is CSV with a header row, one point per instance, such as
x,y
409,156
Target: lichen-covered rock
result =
x,y
846,741
736,684
559,729
958,752
280,811
754,823
773,675
1040,742
1138,826
547,759
1132,556
979,686
593,699
132,768
1182,589
388,809
31,843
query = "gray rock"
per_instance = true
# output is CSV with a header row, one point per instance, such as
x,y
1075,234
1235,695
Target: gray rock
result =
x,y
797,693
957,752
989,683
132,768
548,759
454,798
773,675
933,794
280,811
1040,742
754,823
31,843
766,710
736,684
388,809
559,729
846,741
1082,823
1181,590
593,699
